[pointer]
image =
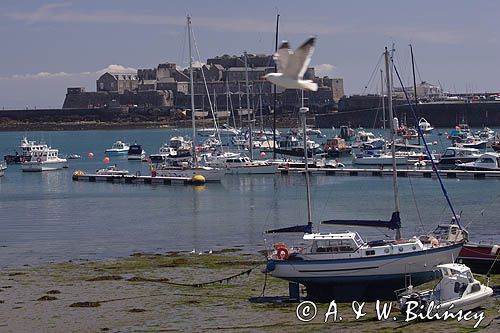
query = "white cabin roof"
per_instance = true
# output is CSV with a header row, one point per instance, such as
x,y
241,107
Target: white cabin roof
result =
x,y
457,267
329,235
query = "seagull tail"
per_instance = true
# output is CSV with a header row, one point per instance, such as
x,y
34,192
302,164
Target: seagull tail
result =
x,y
309,85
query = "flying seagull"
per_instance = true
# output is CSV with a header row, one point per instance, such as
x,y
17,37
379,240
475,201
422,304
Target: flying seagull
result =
x,y
292,66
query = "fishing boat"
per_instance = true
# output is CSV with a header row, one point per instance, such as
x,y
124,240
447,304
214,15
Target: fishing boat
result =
x,y
425,126
136,153
486,162
346,132
118,148
112,170
177,166
3,167
46,159
344,267
26,147
457,290
292,145
178,149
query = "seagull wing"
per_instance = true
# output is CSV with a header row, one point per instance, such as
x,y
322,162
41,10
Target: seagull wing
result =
x,y
299,60
281,56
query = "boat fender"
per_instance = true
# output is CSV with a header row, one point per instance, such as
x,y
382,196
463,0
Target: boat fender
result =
x,y
38,159
434,242
494,250
282,252
138,173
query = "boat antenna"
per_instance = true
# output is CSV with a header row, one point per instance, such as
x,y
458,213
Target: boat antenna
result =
x,y
434,167
393,146
274,86
191,83
303,116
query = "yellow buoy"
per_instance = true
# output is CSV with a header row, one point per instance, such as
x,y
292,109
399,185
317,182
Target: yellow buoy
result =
x,y
198,179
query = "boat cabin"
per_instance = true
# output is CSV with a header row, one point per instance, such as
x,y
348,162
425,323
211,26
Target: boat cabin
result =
x,y
334,243
452,152
457,281
449,233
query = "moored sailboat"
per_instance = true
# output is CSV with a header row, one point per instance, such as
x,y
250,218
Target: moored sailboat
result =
x,y
342,266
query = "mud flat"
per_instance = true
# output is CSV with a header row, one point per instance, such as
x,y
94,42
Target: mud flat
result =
x,y
159,293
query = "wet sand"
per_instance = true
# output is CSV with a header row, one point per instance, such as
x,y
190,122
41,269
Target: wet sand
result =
x,y
140,294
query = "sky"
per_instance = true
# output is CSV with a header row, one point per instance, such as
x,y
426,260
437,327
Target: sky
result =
x,y
47,46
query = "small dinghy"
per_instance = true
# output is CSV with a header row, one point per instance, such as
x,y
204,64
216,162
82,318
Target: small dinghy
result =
x,y
112,170
457,290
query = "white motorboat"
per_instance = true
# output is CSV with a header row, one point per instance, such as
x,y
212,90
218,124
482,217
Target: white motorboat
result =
x,y
457,155
378,159
136,153
112,170
177,149
425,126
118,148
184,170
457,290
243,165
486,162
3,167
46,159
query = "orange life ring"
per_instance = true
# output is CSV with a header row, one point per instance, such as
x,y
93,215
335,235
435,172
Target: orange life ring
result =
x,y
279,245
282,253
38,159
434,242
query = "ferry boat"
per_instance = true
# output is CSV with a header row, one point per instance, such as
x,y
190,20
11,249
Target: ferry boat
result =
x,y
46,159
118,148
26,148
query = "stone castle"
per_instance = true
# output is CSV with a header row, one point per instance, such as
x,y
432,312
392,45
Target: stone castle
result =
x,y
167,87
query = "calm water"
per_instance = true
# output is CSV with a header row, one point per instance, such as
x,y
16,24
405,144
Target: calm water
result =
x,y
48,217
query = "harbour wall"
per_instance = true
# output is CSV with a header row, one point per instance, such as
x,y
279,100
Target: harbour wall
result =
x,y
476,114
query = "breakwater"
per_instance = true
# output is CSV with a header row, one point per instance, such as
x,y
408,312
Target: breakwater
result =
x,y
476,114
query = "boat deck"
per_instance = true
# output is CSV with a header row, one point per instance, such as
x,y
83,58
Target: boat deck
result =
x,y
372,172
133,179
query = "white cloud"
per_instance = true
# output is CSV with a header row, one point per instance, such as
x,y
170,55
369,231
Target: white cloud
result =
x,y
113,68
64,13
324,69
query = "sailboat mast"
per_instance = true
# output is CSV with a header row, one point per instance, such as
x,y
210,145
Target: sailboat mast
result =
x,y
383,99
303,115
191,83
250,141
414,87
392,142
274,87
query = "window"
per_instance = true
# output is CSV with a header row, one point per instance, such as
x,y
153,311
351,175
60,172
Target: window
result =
x,y
370,252
475,288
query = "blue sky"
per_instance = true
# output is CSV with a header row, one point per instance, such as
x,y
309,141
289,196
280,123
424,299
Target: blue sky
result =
x,y
47,46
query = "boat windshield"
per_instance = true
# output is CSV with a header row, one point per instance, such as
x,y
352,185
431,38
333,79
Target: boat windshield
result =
x,y
333,246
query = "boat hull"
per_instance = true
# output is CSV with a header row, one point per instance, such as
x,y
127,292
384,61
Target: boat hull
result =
x,y
40,166
210,174
379,161
480,258
116,152
253,170
364,279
